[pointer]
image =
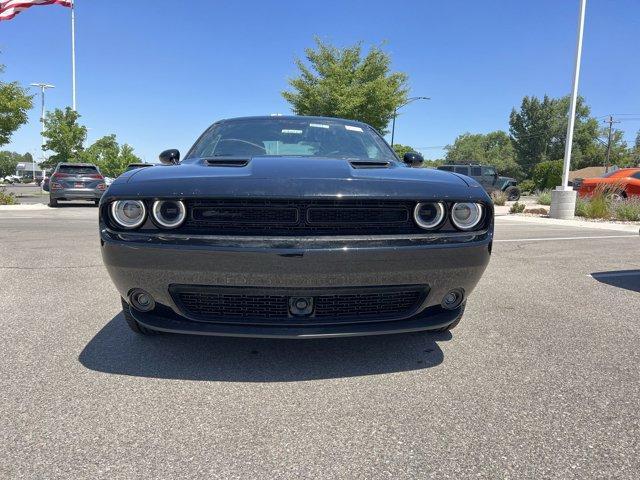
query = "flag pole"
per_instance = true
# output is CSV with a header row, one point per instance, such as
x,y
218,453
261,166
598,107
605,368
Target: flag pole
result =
x,y
73,54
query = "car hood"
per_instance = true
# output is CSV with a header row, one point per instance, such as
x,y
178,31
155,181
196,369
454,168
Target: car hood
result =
x,y
293,177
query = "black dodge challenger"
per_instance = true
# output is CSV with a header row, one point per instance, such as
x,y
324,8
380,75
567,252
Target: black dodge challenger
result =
x,y
293,227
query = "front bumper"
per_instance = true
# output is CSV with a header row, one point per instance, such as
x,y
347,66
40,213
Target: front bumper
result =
x,y
155,262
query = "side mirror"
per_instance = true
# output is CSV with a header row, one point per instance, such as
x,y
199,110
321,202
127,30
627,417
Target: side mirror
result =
x,y
413,159
170,157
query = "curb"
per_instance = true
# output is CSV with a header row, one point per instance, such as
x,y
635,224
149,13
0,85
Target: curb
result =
x,y
18,207
619,227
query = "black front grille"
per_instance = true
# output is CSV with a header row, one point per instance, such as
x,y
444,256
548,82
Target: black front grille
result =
x,y
300,217
249,305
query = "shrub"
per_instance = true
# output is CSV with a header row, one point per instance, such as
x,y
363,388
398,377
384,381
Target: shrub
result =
x,y
536,211
582,205
517,208
6,198
599,207
627,210
547,174
527,186
544,197
498,197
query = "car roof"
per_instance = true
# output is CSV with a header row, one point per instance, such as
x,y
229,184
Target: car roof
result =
x,y
623,172
72,164
293,117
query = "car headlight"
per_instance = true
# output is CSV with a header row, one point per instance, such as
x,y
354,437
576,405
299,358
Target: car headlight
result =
x,y
429,215
169,213
466,215
128,213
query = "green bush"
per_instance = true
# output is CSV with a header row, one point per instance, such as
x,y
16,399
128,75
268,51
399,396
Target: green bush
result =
x,y
544,197
547,174
499,197
517,208
6,198
599,207
626,210
527,186
582,206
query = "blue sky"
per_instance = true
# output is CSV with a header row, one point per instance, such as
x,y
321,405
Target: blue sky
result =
x,y
157,75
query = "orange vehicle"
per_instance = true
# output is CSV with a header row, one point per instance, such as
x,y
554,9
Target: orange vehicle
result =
x,y
621,183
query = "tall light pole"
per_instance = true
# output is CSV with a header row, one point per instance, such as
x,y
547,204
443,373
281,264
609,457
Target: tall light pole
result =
x,y
563,198
42,87
395,113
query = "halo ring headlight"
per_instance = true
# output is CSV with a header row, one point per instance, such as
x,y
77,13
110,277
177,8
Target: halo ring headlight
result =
x,y
169,213
128,214
466,215
429,215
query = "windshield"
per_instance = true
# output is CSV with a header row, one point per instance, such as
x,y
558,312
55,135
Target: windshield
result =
x,y
78,169
291,137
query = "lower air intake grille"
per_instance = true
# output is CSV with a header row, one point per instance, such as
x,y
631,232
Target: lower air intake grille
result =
x,y
250,305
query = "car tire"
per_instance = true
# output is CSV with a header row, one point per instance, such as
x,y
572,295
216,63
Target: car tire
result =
x,y
617,195
513,193
453,324
134,325
53,202
97,202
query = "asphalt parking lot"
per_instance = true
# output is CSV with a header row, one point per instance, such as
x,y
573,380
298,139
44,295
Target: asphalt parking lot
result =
x,y
540,380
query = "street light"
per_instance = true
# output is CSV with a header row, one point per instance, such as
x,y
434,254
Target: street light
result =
x,y
563,198
395,113
42,87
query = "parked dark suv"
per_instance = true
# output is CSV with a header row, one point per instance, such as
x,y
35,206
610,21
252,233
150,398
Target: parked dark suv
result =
x,y
75,181
487,176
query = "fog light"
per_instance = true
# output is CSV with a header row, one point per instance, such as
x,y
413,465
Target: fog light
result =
x,y
142,301
452,299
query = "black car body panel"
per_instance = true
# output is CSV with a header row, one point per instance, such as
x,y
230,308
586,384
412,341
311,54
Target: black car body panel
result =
x,y
217,278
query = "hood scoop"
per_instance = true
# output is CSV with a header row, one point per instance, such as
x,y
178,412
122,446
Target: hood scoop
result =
x,y
227,161
369,164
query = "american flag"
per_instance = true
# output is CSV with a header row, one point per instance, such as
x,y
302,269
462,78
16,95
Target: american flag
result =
x,y
10,8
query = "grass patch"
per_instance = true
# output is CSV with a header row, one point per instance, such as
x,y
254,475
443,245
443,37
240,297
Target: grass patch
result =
x,y
544,197
6,198
517,208
626,210
601,205
499,197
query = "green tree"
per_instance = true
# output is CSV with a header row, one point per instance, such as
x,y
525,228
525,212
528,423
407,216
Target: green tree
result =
x,y
402,149
547,174
15,102
65,136
9,162
493,148
109,156
340,82
538,132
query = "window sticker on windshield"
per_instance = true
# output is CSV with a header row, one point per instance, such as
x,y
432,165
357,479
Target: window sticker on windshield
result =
x,y
353,129
285,130
318,125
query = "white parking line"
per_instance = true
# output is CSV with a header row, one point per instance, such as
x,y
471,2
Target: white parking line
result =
x,y
549,239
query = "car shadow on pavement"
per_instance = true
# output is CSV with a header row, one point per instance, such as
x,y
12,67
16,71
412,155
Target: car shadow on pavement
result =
x,y
627,279
76,205
115,349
